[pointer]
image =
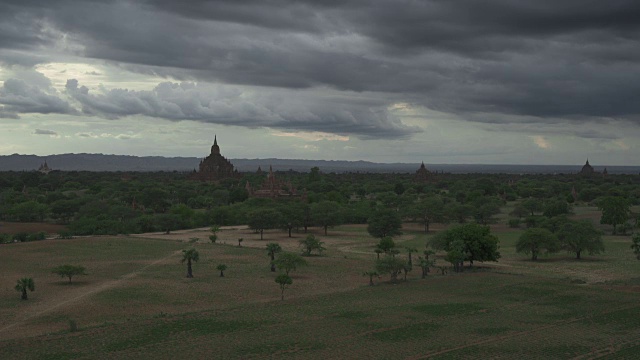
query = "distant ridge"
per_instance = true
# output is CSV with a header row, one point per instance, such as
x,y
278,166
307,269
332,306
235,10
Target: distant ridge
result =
x,y
101,162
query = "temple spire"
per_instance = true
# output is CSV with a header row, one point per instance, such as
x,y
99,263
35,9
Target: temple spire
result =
x,y
215,149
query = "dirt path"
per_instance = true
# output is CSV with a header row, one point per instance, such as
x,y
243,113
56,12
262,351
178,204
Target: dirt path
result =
x,y
71,297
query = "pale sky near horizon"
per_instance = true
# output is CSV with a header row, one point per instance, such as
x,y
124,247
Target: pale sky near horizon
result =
x,y
494,82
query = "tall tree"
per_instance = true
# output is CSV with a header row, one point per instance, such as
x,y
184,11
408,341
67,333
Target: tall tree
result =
x,y
535,240
264,219
579,236
615,211
272,250
533,205
428,210
326,214
23,285
383,223
478,244
189,256
292,215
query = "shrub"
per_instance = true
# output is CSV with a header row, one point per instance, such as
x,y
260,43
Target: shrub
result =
x,y
514,223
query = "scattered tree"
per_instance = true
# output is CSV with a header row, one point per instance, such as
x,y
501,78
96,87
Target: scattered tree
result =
x,y
69,271
289,262
272,250
240,240
214,230
221,268
189,256
283,280
23,285
386,244
535,240
635,246
311,243
425,264
370,274
390,265
410,250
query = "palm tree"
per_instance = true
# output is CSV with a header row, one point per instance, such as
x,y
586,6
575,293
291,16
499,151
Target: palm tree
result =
x,y
189,256
23,285
222,268
272,250
411,250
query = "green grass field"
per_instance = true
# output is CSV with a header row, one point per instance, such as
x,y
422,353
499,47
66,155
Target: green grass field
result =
x,y
137,303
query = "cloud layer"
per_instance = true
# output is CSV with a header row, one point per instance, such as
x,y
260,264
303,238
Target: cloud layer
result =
x,y
336,66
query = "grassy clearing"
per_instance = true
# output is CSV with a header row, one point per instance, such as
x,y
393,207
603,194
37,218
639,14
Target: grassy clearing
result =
x,y
513,309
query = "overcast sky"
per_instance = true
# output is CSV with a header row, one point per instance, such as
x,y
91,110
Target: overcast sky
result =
x,y
439,81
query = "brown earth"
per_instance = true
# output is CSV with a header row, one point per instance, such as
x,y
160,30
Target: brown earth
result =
x,y
17,227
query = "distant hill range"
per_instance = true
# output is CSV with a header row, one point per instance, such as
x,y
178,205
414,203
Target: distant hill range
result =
x,y
100,162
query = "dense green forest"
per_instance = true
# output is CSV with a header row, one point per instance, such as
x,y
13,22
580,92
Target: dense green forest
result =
x,y
99,203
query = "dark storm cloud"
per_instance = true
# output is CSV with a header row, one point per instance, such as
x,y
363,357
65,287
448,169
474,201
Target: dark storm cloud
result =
x,y
493,61
18,96
233,106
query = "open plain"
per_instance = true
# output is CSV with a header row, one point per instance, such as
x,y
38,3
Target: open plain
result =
x,y
136,301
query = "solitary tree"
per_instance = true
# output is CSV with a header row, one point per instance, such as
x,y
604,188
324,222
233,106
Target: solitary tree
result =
x,y
535,240
289,262
384,222
370,274
311,243
283,280
221,268
23,285
69,271
214,230
635,246
272,250
579,236
189,256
